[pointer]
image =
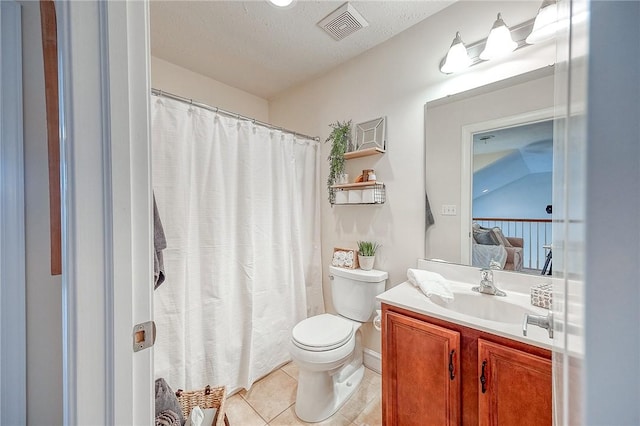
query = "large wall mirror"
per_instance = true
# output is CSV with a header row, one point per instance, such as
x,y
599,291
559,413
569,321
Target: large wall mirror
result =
x,y
489,155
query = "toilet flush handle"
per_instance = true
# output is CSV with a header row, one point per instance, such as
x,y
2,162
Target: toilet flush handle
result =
x,y
377,321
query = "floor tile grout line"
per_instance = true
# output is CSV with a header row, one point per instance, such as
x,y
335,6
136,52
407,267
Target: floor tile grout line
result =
x,y
290,375
252,408
367,402
276,416
267,422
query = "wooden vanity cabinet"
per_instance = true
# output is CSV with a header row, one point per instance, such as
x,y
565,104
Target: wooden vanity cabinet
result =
x,y
417,388
409,344
517,388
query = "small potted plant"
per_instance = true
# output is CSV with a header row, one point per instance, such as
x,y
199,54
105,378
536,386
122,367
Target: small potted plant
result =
x,y
367,254
340,138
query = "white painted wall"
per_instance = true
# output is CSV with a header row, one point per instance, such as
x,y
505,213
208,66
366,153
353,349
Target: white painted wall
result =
x,y
395,80
44,295
181,81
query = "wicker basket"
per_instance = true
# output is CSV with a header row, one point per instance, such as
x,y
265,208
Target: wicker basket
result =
x,y
207,398
354,256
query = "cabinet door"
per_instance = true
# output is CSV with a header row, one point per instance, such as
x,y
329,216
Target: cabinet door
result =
x,y
420,373
517,387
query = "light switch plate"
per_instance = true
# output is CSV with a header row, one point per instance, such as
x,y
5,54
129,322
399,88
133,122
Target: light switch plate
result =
x,y
449,210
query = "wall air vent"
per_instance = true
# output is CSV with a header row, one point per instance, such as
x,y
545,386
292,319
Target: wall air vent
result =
x,y
343,21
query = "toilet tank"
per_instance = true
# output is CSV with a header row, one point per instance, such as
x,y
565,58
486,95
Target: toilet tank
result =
x,y
354,291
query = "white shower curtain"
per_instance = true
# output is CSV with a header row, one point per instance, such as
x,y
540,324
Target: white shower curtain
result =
x,y
239,203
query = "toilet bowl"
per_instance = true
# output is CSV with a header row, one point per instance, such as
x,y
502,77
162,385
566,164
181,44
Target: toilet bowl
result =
x,y
328,348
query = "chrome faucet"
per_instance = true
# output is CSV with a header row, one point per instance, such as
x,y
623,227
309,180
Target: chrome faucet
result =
x,y
544,321
487,286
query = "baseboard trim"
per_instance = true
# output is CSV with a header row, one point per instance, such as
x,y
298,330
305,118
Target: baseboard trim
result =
x,y
373,360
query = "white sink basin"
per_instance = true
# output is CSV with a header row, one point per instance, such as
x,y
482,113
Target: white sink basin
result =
x,y
501,316
484,306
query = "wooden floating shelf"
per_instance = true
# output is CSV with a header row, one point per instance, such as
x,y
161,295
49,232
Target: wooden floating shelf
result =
x,y
356,185
379,203
363,153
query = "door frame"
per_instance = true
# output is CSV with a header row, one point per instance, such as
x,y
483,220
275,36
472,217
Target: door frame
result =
x,y
106,210
466,177
132,19
13,320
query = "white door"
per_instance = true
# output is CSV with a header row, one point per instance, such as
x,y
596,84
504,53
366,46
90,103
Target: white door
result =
x,y
596,354
611,393
569,231
13,349
106,211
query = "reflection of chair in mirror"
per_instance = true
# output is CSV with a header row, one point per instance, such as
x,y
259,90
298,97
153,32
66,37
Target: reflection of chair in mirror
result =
x,y
490,244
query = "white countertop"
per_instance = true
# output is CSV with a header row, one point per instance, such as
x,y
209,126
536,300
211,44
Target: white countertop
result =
x,y
406,296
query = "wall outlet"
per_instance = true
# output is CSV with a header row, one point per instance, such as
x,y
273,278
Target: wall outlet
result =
x,y
449,210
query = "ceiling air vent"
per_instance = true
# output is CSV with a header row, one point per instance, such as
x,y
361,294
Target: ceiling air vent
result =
x,y
343,21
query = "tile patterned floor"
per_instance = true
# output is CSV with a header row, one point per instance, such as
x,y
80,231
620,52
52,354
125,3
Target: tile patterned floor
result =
x,y
271,400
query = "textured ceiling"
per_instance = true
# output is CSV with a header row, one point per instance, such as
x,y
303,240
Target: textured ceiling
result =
x,y
518,152
256,47
522,137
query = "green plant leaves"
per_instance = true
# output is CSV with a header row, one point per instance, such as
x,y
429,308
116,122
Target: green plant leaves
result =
x,y
367,248
340,138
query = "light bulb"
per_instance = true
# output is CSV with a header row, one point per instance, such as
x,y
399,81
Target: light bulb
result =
x,y
281,3
546,23
457,57
499,43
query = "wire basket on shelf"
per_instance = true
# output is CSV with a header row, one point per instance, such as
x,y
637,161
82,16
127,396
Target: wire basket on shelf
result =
x,y
206,398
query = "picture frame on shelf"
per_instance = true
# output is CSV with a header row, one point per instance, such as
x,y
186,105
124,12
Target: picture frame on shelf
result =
x,y
371,134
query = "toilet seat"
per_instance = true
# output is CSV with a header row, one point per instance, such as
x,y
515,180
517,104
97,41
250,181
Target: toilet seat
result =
x,y
322,332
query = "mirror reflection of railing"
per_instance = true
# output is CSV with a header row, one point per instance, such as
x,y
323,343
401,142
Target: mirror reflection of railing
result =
x,y
536,234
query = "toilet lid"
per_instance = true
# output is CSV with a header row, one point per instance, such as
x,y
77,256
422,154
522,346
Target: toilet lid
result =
x,y
322,332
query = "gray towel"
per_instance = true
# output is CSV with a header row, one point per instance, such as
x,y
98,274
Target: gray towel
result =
x,y
428,213
167,418
159,244
167,401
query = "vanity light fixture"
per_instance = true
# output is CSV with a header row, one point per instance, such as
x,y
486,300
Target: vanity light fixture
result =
x,y
546,23
457,58
499,42
503,40
282,3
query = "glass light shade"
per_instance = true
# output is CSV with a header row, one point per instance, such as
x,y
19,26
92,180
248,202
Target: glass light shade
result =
x,y
457,57
499,43
546,23
281,3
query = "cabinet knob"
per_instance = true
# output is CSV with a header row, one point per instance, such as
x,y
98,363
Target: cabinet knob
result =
x,y
451,368
483,378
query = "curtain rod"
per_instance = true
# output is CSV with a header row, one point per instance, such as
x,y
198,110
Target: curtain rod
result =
x,y
158,92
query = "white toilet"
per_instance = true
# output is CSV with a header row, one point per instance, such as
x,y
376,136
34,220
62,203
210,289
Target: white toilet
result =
x,y
327,348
